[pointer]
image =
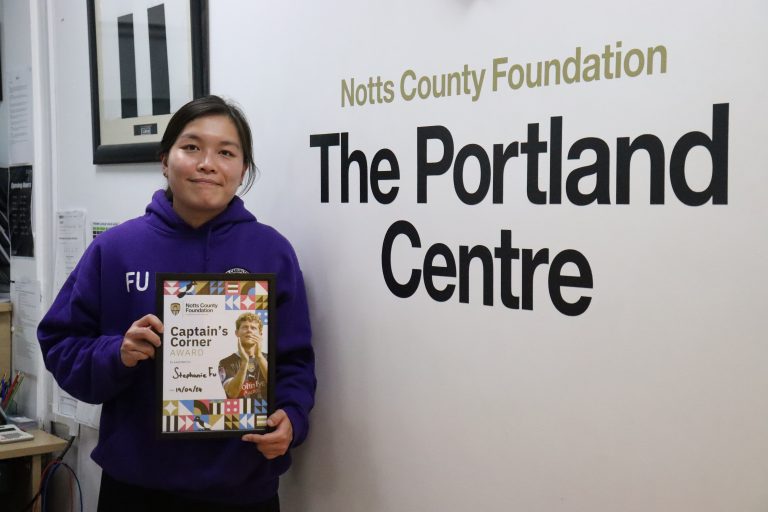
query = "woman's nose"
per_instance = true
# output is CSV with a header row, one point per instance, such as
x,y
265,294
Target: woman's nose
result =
x,y
206,163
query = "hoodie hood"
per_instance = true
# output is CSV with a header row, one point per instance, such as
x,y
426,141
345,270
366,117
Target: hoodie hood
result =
x,y
161,215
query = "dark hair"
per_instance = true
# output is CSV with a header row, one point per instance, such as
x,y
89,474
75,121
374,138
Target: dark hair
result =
x,y
211,106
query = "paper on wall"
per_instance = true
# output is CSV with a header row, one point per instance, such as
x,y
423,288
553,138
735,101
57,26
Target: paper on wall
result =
x,y
70,244
20,115
26,315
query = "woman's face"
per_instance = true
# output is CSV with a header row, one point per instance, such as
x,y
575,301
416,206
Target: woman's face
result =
x,y
204,168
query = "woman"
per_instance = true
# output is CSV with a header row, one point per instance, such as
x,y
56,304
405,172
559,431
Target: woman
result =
x,y
99,337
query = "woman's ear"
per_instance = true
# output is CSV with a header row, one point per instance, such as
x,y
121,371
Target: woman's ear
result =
x,y
164,163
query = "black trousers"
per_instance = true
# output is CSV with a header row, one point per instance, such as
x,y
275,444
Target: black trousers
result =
x,y
116,496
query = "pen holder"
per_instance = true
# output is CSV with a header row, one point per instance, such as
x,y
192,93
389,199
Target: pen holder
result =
x,y
13,408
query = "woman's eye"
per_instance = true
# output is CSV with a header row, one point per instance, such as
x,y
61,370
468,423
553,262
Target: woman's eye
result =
x,y
189,147
227,153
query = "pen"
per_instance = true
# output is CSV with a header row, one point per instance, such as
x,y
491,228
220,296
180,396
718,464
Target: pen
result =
x,y
11,390
15,388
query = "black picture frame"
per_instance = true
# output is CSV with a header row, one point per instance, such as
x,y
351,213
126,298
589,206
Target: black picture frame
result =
x,y
199,347
129,59
2,84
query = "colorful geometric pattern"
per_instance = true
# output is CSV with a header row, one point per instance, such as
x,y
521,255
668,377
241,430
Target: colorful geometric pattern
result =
x,y
247,422
232,406
180,288
219,414
217,287
186,288
252,300
264,315
213,415
239,302
207,287
239,295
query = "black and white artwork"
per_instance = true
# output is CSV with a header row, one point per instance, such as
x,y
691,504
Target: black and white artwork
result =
x,y
148,58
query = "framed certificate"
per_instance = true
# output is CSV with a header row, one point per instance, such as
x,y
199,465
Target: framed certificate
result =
x,y
215,367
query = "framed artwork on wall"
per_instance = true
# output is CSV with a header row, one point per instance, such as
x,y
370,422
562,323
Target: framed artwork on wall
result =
x,y
1,70
148,58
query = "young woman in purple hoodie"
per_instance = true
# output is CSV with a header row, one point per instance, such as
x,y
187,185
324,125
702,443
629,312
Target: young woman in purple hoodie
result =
x,y
100,336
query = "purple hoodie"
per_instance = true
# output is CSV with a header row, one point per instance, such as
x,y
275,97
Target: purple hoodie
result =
x,y
113,286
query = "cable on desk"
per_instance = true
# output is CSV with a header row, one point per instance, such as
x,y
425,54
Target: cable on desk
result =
x,y
48,472
53,466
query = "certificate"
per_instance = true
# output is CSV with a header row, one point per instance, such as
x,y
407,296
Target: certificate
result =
x,y
215,366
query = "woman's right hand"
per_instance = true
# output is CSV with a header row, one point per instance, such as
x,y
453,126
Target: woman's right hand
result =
x,y
141,340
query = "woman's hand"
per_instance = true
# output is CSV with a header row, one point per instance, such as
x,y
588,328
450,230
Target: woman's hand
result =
x,y
275,443
141,340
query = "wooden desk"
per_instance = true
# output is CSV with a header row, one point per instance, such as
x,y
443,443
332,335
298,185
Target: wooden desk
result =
x,y
43,444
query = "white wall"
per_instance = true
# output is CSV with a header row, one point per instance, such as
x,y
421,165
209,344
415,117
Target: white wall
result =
x,y
649,401
4,55
646,402
24,53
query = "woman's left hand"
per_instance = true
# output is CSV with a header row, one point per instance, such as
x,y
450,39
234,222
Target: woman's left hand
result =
x,y
275,443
